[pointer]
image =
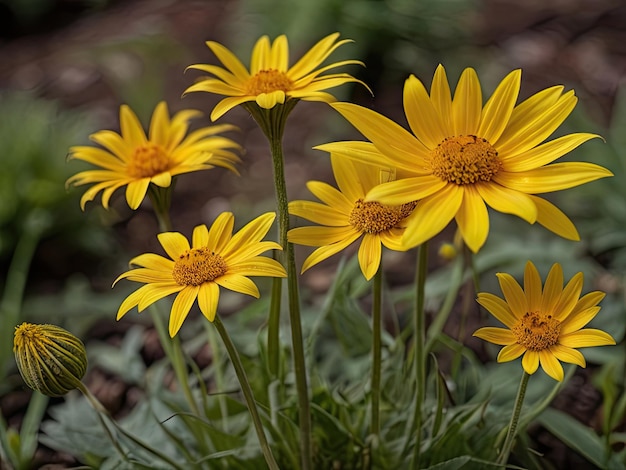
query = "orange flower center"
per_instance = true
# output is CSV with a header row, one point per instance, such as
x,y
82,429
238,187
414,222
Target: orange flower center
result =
x,y
148,160
465,159
197,266
267,81
537,331
373,217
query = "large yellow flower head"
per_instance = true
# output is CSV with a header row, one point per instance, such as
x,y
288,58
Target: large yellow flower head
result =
x,y
463,156
545,325
135,160
216,258
344,216
270,80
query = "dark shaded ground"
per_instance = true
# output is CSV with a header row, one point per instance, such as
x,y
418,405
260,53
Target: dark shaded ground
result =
x,y
579,43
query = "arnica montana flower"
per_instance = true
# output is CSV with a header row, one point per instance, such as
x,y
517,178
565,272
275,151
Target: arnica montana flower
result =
x,y
50,359
544,325
216,258
135,160
270,80
344,216
463,157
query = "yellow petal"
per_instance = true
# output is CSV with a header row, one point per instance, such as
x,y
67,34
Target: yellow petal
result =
x,y
230,61
369,255
554,177
473,219
513,293
279,54
422,116
499,336
441,98
354,179
159,125
532,287
252,232
319,213
569,355
552,289
181,307
330,196
400,192
389,138
227,104
163,180
554,220
569,297
551,365
586,338
510,352
238,283
132,131
498,109
363,152
221,231
508,201
315,56
200,236
530,362
208,298
545,153
327,251
432,215
156,291
319,235
136,191
587,301
174,243
269,100
153,261
498,308
258,266
467,104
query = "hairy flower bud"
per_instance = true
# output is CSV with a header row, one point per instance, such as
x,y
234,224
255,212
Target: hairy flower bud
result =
x,y
50,359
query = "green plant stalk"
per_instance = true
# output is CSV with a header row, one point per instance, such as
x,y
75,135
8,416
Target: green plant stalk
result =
x,y
161,199
16,279
102,413
272,123
419,350
510,435
247,393
376,350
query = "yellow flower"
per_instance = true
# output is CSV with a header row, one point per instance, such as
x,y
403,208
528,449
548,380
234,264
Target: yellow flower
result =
x,y
270,80
543,325
463,157
131,159
345,216
50,359
216,258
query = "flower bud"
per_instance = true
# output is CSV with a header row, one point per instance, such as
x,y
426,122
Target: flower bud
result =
x,y
50,359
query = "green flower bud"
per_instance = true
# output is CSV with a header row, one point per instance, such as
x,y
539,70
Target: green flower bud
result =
x,y
50,359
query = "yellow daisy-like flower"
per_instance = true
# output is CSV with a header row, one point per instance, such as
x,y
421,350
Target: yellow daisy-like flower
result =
x,y
463,156
544,325
135,160
345,216
270,80
216,258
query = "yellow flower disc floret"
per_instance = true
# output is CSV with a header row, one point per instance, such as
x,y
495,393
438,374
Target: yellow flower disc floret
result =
x,y
197,266
148,160
267,81
374,217
465,159
537,331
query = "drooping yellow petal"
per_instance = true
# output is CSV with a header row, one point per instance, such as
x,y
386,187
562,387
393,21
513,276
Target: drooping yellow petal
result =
x,y
508,201
238,283
473,219
530,362
326,251
369,255
569,355
552,218
510,352
208,298
551,365
136,191
181,307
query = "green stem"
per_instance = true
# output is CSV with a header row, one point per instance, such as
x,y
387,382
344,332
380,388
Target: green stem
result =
x,y
17,276
376,351
510,436
247,392
419,350
272,122
161,200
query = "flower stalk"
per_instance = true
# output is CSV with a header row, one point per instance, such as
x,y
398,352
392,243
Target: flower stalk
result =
x,y
517,408
376,351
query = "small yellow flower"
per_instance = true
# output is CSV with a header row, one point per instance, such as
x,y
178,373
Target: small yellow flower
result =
x,y
543,325
216,258
50,359
462,156
345,216
270,80
135,160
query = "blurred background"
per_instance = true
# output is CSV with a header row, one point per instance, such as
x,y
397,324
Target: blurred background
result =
x,y
67,65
